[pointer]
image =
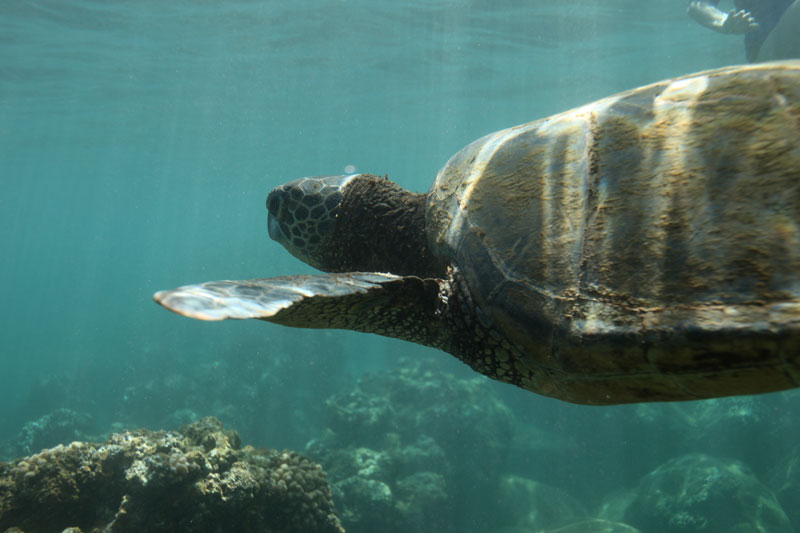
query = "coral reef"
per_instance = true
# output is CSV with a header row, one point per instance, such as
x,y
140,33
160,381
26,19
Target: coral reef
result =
x,y
196,479
59,426
411,448
414,449
701,493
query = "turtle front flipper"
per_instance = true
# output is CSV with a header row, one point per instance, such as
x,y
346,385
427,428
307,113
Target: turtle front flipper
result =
x,y
389,305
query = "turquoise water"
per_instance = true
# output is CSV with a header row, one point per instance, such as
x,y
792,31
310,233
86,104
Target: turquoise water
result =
x,y
138,141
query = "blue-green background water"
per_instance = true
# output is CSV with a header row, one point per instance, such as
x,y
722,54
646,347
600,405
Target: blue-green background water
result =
x,y
138,140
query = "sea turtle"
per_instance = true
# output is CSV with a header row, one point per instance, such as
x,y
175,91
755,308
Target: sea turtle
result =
x,y
644,247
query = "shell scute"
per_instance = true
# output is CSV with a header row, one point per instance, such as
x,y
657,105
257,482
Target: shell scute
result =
x,y
652,233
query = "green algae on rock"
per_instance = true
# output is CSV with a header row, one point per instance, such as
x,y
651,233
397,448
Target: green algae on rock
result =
x,y
199,478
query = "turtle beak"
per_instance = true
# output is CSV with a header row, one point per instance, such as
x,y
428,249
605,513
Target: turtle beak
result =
x,y
274,229
274,203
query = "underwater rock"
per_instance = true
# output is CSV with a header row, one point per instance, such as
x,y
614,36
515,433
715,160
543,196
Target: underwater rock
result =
x,y
432,443
701,493
375,488
422,455
369,504
421,497
615,505
57,427
524,503
415,399
196,479
718,427
784,480
558,443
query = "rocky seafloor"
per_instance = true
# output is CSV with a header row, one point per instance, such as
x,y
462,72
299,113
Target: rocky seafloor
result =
x,y
415,450
418,449
198,478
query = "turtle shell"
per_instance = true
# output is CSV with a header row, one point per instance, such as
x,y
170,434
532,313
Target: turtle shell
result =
x,y
642,247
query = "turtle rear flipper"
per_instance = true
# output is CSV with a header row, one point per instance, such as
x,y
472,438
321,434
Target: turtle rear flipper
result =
x,y
370,302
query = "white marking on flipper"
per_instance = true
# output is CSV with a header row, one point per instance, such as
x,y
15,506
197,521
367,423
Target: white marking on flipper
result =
x,y
263,298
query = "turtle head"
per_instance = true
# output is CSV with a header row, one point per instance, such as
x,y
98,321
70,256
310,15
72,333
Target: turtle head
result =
x,y
352,223
302,214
